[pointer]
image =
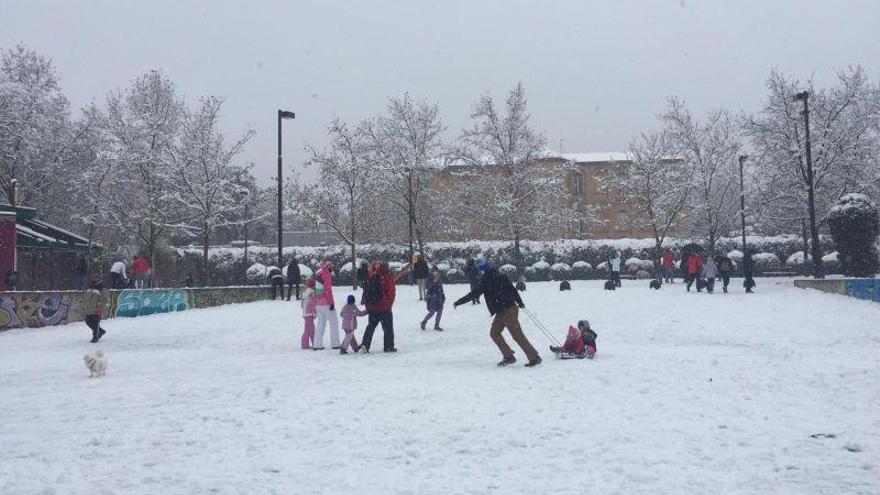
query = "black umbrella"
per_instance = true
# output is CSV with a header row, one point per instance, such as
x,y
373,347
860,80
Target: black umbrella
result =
x,y
692,248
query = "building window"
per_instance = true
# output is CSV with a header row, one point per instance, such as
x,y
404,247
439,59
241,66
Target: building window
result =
x,y
579,187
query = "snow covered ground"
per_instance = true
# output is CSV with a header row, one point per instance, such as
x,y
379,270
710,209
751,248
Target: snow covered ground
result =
x,y
689,393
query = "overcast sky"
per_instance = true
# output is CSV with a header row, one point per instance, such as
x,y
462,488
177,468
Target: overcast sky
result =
x,y
596,72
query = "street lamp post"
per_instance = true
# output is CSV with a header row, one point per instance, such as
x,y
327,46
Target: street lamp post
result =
x,y
818,269
742,200
282,114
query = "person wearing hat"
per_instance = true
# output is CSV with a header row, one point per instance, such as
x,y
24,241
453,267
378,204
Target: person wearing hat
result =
x,y
503,302
96,299
580,342
349,314
325,308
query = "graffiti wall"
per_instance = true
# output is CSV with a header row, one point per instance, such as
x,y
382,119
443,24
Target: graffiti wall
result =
x,y
861,288
40,309
129,303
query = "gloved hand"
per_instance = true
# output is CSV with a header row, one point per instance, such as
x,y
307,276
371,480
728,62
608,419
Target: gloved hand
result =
x,y
521,305
332,307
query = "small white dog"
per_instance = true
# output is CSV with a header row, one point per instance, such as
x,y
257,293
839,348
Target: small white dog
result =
x,y
96,363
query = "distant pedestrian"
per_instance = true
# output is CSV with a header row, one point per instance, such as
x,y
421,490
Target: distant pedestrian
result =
x,y
118,276
142,270
615,269
435,299
667,262
96,299
276,279
710,273
694,269
748,272
293,276
725,269
188,281
420,274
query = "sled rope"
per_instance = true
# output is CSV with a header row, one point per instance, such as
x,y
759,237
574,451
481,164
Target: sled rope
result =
x,y
547,333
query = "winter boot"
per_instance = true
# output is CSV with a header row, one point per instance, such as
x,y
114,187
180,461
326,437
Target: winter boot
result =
x,y
391,349
591,351
343,351
363,349
554,349
534,362
507,360
438,328
424,322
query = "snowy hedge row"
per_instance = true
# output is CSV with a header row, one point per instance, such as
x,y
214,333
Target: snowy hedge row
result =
x,y
556,260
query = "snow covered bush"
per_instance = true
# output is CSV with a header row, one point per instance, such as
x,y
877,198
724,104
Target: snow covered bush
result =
x,y
560,271
256,273
529,273
831,261
508,270
735,255
764,261
542,271
581,270
855,224
602,269
797,259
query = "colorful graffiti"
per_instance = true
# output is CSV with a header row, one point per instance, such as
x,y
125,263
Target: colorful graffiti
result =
x,y
863,288
40,309
130,303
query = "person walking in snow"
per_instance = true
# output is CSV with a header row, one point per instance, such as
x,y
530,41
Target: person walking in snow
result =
x,y
694,270
710,273
349,314
503,302
293,276
96,299
473,275
748,272
435,299
725,269
378,297
420,274
667,263
276,279
615,269
326,307
308,305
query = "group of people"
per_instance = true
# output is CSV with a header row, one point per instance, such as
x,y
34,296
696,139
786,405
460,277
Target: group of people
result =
x,y
378,296
139,275
277,279
704,272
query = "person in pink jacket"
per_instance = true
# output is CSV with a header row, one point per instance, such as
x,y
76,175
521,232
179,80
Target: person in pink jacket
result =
x,y
349,314
308,309
325,308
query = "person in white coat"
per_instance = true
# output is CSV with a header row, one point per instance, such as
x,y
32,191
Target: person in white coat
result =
x,y
710,273
325,308
615,269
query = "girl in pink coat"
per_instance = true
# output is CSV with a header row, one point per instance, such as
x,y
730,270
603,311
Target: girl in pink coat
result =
x,y
308,302
349,314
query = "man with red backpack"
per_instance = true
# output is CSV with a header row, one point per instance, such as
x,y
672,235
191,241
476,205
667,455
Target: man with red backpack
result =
x,y
378,297
695,270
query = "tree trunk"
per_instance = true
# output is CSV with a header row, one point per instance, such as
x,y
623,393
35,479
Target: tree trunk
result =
x,y
517,256
658,270
354,276
806,237
206,238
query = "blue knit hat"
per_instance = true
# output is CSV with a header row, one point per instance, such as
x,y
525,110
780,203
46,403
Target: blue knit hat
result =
x,y
350,299
484,266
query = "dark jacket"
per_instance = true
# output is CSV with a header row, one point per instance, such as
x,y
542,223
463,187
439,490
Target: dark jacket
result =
x,y
725,266
293,272
435,298
362,274
275,274
389,290
471,271
500,294
420,270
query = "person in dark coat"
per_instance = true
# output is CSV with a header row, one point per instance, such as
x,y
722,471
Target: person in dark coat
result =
x,y
435,299
276,279
379,305
503,302
473,275
362,274
188,281
293,276
748,272
725,269
420,274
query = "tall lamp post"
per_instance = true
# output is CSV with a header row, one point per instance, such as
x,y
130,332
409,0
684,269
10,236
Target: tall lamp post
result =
x,y
818,269
742,200
282,114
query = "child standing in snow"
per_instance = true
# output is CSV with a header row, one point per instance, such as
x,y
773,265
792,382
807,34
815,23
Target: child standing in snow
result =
x,y
435,299
580,342
308,304
349,314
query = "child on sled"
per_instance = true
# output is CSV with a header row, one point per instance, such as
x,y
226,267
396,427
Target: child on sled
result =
x,y
579,343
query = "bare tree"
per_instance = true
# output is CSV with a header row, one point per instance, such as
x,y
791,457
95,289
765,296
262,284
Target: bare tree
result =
x,y
342,199
710,148
505,191
204,177
142,125
845,135
656,184
406,145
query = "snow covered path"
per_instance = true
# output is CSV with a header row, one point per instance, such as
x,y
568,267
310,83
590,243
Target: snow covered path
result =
x,y
689,393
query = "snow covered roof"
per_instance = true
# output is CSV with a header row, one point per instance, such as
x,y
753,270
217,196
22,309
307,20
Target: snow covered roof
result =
x,y
600,157
39,234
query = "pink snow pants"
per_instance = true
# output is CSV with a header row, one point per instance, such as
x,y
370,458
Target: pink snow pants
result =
x,y
308,333
349,340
